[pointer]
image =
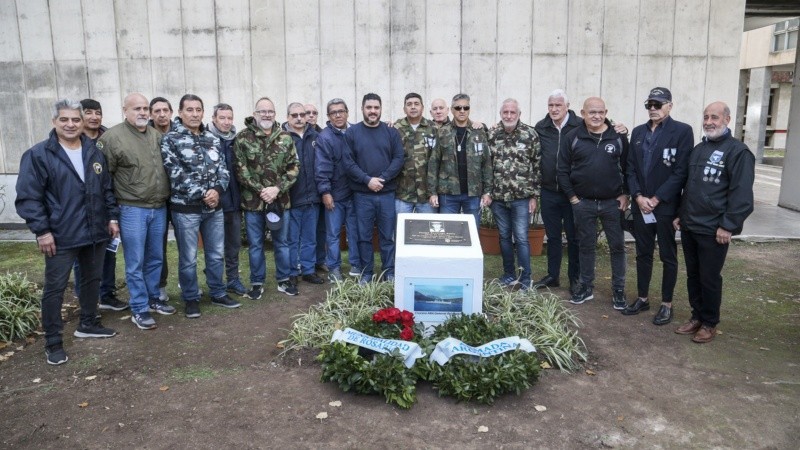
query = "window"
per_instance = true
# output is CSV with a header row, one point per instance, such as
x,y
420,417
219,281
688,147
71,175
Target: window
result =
x,y
785,35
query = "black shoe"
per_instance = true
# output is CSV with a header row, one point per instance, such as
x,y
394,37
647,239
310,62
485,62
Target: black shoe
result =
x,y
226,302
255,291
55,354
638,306
618,301
111,302
663,317
192,309
321,268
313,278
582,294
287,287
547,281
94,330
574,285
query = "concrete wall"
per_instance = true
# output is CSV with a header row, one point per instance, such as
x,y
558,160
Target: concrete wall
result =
x,y
313,50
756,50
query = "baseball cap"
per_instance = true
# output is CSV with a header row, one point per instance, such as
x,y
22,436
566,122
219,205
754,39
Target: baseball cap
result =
x,y
660,94
274,216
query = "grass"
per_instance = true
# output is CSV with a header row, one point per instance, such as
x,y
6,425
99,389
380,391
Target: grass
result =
x,y
193,373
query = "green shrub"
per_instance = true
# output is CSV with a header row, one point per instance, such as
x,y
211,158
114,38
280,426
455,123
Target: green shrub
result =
x,y
19,306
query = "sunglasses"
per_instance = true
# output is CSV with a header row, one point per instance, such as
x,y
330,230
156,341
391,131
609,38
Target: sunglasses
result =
x,y
654,105
311,113
461,108
296,115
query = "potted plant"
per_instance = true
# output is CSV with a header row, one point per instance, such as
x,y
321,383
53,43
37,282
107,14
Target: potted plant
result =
x,y
536,232
488,233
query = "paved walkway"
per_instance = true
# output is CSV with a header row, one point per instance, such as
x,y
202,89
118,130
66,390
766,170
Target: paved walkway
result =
x,y
768,221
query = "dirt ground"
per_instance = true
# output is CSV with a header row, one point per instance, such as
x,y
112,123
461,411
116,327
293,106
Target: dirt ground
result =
x,y
219,382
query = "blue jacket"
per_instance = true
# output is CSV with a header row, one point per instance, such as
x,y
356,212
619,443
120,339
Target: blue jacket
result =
x,y
304,191
374,152
52,198
232,197
330,172
550,141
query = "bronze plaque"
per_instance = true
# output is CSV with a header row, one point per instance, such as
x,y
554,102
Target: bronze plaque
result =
x,y
438,232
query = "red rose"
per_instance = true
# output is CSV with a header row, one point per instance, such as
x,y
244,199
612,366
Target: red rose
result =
x,y
407,318
378,317
407,334
392,315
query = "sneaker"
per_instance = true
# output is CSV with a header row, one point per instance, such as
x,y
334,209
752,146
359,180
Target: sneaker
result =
x,y
293,279
192,309
354,272
618,301
55,354
225,302
93,330
583,293
313,278
321,268
335,275
287,287
111,302
160,307
508,280
255,291
237,287
162,294
144,320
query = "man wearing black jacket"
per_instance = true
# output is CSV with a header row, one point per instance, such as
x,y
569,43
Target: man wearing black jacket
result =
x,y
659,150
717,198
64,194
591,172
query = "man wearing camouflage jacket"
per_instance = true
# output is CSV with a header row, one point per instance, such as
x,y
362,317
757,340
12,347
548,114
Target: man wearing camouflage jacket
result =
x,y
266,167
419,138
460,168
515,155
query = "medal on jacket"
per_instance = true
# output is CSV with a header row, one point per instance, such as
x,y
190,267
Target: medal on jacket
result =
x,y
478,145
669,156
705,173
430,142
713,174
719,174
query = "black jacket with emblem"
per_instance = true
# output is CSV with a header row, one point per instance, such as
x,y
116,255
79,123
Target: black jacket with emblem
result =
x,y
52,198
663,179
550,139
593,167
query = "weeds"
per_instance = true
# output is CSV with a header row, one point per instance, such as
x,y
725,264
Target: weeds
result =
x,y
19,306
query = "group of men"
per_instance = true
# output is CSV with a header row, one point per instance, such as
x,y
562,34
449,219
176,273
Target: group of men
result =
x,y
86,184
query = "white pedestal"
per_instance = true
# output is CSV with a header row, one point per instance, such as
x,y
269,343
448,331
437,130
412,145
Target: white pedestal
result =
x,y
438,278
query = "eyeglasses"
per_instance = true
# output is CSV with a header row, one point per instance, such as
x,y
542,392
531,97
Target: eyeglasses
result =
x,y
264,112
654,105
337,112
461,108
311,113
296,115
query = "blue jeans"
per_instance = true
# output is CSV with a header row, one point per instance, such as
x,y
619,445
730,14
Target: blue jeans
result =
x,y
233,243
108,284
512,218
461,203
141,231
402,206
255,225
557,216
302,239
375,210
188,227
587,212
342,213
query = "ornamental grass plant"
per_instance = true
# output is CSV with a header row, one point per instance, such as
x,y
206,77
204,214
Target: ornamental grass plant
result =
x,y
19,306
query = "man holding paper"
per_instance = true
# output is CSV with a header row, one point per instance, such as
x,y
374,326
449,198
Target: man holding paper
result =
x,y
659,150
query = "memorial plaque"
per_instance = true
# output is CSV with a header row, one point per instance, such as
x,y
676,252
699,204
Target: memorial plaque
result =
x,y
437,232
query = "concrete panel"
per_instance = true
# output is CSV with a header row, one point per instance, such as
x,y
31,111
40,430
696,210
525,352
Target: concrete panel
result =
x,y
583,77
443,78
408,27
168,78
68,43
71,79
166,37
722,77
337,55
757,107
104,87
10,49
651,71
690,36
585,35
233,54
41,110
408,75
725,27
514,81
443,26
8,214
34,30
478,81
302,52
14,135
199,32
514,31
687,92
549,72
789,196
135,75
479,33
550,25
618,88
101,36
373,59
268,51
302,84
621,27
656,27
204,87
133,34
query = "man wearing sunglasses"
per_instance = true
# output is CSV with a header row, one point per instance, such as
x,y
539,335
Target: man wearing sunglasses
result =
x,y
659,151
312,114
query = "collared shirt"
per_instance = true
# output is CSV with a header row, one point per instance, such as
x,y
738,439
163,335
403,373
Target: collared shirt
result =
x,y
649,146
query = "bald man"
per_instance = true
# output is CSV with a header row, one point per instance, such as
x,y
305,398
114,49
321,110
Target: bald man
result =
x,y
133,151
591,172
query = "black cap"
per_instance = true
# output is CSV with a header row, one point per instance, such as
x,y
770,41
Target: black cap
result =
x,y
660,94
274,216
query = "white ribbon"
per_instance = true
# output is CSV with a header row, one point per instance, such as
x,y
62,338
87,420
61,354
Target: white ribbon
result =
x,y
410,351
450,347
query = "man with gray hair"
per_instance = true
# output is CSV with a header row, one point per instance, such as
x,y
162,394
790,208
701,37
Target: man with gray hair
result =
x,y
64,194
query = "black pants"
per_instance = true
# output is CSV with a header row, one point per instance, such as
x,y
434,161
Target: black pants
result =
x,y
646,235
557,216
704,260
233,243
56,275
